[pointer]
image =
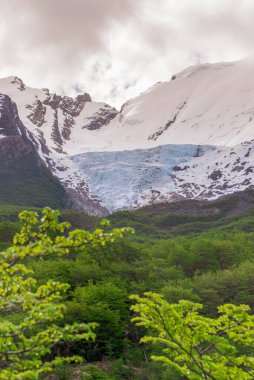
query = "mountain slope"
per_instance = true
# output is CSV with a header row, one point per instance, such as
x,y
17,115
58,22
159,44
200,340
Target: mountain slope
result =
x,y
24,178
51,120
205,104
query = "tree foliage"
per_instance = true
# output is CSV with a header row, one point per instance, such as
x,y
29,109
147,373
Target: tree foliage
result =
x,y
198,347
30,314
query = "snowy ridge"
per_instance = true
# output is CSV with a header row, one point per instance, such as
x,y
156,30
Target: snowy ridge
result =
x,y
205,104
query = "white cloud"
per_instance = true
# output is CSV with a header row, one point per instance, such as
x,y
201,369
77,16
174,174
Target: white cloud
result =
x,y
114,49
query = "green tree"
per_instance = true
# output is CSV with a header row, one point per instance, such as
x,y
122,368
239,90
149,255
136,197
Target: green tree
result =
x,y
106,304
198,347
30,314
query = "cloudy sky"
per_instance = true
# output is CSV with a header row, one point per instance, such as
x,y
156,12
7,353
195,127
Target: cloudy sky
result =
x,y
115,49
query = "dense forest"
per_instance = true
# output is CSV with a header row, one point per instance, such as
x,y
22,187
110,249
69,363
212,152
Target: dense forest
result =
x,y
198,252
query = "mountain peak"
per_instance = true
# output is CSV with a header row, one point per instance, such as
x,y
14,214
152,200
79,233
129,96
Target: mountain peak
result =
x,y
196,69
14,80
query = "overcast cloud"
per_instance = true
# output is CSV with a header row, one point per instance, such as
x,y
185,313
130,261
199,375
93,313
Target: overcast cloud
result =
x,y
115,49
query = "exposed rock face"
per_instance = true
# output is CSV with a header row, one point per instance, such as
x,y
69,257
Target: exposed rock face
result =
x,y
68,105
19,83
14,148
10,124
37,115
15,141
80,199
169,123
101,118
216,174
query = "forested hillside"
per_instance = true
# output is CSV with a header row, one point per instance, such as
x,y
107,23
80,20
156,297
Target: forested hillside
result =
x,y
201,252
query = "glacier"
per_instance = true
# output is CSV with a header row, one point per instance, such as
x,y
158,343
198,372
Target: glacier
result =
x,y
124,179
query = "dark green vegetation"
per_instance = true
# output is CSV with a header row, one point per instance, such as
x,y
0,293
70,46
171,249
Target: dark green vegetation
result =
x,y
27,182
194,251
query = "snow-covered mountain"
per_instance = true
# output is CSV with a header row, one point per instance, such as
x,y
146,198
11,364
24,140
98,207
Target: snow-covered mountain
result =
x,y
192,136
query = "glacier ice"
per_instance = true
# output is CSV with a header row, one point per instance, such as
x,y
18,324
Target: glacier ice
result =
x,y
120,179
